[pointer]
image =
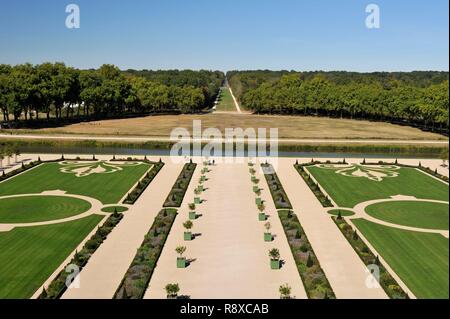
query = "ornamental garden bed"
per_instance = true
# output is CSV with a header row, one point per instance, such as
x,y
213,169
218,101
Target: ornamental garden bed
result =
x,y
137,278
279,196
313,277
178,191
142,185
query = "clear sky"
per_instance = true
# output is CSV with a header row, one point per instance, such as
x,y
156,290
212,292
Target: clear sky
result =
x,y
229,34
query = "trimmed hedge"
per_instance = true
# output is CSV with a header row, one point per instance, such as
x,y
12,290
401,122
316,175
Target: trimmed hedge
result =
x,y
58,286
279,196
314,279
176,195
138,275
142,185
389,284
323,199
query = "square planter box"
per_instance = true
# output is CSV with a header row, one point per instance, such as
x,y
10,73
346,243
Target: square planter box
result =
x,y
255,189
203,178
268,237
253,178
181,262
258,201
275,264
187,236
262,217
200,188
192,215
197,200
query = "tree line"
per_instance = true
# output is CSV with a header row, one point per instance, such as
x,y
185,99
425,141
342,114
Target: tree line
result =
x,y
414,98
58,92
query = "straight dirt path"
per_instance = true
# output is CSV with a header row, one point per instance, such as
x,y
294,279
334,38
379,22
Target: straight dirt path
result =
x,y
106,268
344,269
238,109
230,257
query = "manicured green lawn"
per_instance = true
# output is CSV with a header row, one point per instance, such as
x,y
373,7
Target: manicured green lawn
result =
x,y
414,214
28,256
349,191
420,259
226,101
40,208
108,188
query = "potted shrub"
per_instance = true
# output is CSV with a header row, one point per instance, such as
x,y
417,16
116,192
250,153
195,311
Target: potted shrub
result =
x,y
262,217
285,292
191,206
274,255
181,261
197,200
258,201
203,178
268,235
255,188
253,178
172,291
188,234
192,215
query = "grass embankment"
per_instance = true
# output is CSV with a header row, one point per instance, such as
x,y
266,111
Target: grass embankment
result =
x,y
135,282
32,209
30,255
414,214
421,260
416,150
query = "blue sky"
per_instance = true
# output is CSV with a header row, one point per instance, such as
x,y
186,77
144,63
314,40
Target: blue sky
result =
x,y
229,34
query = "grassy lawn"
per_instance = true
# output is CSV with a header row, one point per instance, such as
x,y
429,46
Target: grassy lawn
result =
x,y
108,188
289,126
420,259
348,191
30,255
226,101
112,209
344,212
414,214
40,208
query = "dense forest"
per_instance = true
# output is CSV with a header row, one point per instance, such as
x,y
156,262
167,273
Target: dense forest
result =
x,y
56,92
413,98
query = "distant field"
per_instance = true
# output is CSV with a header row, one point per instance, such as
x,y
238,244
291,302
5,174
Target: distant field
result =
x,y
28,256
420,259
294,127
226,101
108,188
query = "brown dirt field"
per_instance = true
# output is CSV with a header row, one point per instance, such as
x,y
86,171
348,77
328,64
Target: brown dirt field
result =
x,y
294,127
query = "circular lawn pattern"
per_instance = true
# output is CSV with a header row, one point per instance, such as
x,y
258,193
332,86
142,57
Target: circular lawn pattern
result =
x,y
344,212
32,209
110,209
412,213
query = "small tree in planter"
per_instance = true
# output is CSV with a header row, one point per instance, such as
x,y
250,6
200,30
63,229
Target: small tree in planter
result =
x,y
188,234
172,291
285,291
258,201
181,261
268,235
197,200
261,216
274,255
